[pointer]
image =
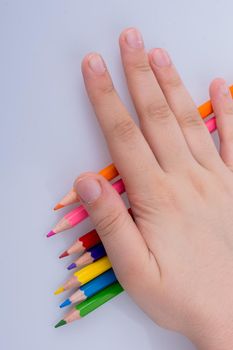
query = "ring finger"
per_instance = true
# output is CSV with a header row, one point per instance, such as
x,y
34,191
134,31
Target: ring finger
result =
x,y
193,128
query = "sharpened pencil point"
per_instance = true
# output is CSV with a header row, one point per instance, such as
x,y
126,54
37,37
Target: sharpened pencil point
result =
x,y
63,255
50,234
67,302
71,266
59,290
58,206
60,323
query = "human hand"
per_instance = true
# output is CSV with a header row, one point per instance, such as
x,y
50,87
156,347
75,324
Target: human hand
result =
x,y
176,258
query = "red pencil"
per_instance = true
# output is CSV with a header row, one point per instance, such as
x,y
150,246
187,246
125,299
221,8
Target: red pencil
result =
x,y
89,240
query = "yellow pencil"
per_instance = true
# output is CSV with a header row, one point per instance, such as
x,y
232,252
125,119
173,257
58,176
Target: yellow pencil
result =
x,y
86,274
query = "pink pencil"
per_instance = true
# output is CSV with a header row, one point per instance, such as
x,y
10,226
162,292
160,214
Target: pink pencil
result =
x,y
211,124
77,215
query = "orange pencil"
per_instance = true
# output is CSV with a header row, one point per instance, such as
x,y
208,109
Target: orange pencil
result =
x,y
110,171
206,108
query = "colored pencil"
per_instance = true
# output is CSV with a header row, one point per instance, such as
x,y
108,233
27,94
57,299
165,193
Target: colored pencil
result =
x,y
87,241
211,124
110,172
91,304
206,108
86,274
77,215
90,239
89,257
87,290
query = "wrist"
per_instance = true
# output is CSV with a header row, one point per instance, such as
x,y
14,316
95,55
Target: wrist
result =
x,y
218,336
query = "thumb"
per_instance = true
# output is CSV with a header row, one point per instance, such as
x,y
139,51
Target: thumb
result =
x,y
116,228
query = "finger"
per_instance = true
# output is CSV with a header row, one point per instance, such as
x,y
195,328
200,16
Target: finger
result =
x,y
223,108
194,130
131,153
123,242
157,121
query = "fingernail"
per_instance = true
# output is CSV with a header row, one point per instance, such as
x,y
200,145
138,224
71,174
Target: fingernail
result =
x,y
224,90
134,39
88,189
161,58
96,64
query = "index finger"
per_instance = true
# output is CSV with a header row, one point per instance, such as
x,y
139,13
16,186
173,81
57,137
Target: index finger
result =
x,y
130,152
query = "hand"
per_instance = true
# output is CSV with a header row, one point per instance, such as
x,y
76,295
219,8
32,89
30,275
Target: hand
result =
x,y
176,259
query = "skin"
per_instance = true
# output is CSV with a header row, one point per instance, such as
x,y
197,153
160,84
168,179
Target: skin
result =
x,y
176,258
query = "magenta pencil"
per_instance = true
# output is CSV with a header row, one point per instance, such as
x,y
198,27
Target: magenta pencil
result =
x,y
211,124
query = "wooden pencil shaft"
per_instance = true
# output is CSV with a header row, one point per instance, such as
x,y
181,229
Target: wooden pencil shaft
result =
x,y
88,273
99,299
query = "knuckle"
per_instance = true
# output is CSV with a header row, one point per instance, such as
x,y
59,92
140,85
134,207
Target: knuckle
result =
x,y
107,225
141,67
191,119
107,89
101,91
124,129
229,110
157,112
155,203
173,82
168,199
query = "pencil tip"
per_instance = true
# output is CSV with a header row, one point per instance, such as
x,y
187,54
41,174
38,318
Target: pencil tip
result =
x,y
59,290
64,254
50,234
67,302
58,206
60,323
71,266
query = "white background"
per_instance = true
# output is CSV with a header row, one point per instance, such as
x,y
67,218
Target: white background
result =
x,y
49,135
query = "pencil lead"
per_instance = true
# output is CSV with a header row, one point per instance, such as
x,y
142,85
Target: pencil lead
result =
x,y
58,206
64,254
67,302
50,234
59,290
60,323
71,266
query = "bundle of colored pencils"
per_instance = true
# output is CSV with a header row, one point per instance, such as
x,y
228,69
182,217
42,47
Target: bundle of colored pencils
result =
x,y
96,282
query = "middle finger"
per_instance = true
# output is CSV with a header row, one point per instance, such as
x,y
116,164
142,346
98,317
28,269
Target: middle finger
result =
x,y
157,121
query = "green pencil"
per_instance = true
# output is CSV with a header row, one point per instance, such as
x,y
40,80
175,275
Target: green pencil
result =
x,y
91,304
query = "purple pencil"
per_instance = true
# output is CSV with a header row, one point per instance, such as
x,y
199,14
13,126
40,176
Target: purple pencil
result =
x,y
88,257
